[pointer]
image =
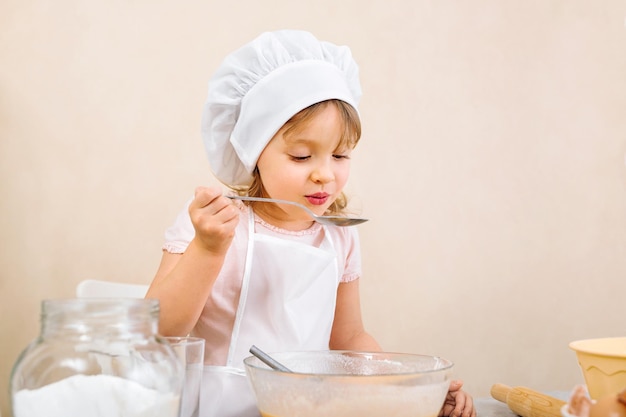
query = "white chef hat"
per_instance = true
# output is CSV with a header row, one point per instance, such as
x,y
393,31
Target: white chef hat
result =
x,y
260,86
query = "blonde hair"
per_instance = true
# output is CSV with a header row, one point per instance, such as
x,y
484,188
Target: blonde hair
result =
x,y
349,138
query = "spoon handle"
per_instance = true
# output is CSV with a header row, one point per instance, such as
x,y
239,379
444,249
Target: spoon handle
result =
x,y
268,360
272,200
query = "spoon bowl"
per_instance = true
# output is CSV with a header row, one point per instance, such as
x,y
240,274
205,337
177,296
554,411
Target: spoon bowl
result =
x,y
327,220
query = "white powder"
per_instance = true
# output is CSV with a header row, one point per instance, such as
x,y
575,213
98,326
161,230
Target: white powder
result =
x,y
94,396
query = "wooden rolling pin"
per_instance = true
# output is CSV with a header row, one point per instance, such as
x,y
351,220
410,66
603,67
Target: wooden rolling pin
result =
x,y
526,402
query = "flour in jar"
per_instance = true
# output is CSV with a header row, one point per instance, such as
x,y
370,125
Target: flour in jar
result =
x,y
94,395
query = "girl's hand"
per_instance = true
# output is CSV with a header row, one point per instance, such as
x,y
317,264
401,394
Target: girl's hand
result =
x,y
214,217
458,403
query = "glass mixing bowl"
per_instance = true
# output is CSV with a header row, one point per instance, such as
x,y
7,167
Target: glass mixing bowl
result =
x,y
350,384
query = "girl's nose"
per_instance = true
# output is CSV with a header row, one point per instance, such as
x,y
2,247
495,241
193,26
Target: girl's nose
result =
x,y
322,173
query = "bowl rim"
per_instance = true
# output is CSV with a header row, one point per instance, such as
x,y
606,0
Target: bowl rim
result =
x,y
589,346
261,367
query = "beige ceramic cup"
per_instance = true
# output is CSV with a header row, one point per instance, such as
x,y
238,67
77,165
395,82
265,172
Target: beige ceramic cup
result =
x,y
190,351
603,363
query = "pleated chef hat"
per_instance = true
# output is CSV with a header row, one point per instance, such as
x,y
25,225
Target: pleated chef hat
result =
x,y
260,86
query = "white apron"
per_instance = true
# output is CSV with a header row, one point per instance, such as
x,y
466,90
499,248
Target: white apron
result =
x,y
287,302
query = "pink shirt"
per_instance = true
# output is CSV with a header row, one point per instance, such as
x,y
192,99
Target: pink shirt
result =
x,y
218,316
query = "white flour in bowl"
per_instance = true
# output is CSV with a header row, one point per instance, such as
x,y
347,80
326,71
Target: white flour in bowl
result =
x,y
94,396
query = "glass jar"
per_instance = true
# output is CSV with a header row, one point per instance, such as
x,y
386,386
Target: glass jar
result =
x,y
97,357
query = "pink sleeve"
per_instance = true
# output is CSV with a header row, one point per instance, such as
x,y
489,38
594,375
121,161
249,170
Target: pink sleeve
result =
x,y
350,247
179,234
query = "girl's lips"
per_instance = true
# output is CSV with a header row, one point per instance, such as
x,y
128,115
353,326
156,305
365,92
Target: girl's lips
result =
x,y
317,199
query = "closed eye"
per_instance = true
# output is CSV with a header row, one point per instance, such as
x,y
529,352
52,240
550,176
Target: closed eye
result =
x,y
340,156
299,158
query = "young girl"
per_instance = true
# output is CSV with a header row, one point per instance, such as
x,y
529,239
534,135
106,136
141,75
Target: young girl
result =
x,y
280,121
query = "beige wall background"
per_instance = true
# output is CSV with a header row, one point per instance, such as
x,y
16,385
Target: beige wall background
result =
x,y
492,163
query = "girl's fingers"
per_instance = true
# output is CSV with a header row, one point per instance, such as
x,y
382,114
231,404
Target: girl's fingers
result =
x,y
455,385
204,196
209,200
468,410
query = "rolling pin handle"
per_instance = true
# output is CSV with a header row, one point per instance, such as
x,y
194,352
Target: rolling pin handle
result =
x,y
500,392
526,402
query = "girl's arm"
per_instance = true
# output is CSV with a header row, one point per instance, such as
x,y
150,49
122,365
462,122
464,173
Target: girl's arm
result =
x,y
348,332
183,282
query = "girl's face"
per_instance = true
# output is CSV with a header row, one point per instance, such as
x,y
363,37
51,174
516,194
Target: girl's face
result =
x,y
306,166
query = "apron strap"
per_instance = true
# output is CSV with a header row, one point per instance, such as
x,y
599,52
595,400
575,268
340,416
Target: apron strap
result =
x,y
243,295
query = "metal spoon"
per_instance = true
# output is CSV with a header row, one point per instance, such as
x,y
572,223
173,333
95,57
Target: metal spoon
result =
x,y
268,360
328,220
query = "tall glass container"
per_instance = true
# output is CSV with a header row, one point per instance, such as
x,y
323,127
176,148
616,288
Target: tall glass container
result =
x,y
97,357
